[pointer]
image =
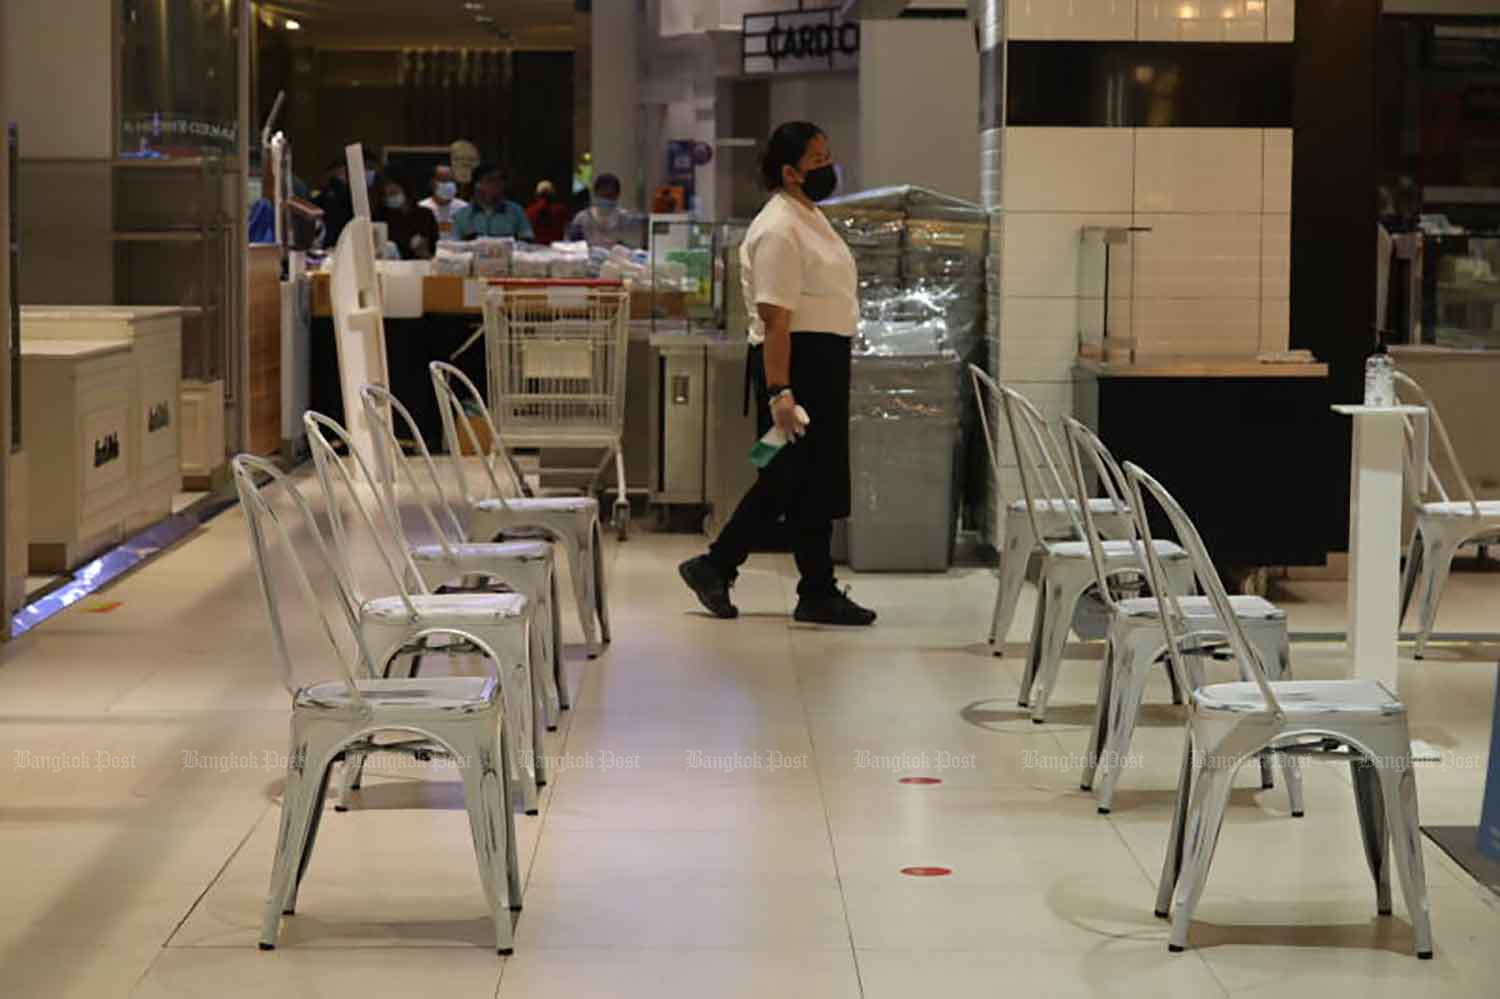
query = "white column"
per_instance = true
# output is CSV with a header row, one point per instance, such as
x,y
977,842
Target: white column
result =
x,y
1375,504
614,119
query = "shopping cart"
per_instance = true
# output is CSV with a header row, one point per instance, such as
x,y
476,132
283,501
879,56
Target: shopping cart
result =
x,y
556,357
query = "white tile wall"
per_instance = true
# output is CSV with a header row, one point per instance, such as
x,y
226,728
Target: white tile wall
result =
x,y
1275,324
1210,326
1041,255
1072,20
1281,20
1202,20
1069,169
1040,342
1277,172
1199,169
1276,256
1198,256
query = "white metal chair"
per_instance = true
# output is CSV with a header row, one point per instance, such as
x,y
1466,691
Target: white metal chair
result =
x,y
509,509
461,716
1358,721
1023,517
527,567
1067,566
1442,525
1137,641
405,620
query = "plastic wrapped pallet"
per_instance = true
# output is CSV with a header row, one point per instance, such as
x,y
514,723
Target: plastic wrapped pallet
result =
x,y
903,435
449,263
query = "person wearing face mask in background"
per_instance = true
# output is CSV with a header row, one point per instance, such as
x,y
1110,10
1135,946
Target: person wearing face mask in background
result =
x,y
548,215
604,222
491,214
444,203
800,286
410,226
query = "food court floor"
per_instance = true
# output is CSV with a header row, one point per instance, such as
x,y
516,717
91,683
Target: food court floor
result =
x,y
726,820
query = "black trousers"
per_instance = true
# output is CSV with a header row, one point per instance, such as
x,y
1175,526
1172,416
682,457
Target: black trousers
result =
x,y
806,486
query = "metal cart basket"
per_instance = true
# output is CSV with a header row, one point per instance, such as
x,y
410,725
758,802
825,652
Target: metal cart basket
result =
x,y
556,350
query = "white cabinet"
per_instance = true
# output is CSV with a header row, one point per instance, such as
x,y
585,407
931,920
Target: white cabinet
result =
x,y
78,434
155,338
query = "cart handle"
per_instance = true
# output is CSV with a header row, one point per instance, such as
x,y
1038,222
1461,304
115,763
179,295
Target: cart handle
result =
x,y
556,282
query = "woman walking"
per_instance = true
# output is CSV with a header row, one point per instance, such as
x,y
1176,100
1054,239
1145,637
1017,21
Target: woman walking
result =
x,y
800,286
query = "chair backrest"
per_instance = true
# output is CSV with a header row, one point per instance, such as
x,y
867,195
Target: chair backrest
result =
x,y
333,473
1174,622
267,530
383,409
1088,455
1034,447
458,398
1418,478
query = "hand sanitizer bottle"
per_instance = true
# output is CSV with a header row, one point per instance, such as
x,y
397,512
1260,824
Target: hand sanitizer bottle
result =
x,y
770,445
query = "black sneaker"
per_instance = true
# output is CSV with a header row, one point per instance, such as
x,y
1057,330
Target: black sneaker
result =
x,y
711,588
835,608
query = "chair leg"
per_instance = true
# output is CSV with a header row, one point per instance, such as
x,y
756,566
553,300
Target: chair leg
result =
x,y
1028,675
1103,712
512,854
601,593
564,702
1372,829
351,778
1205,818
1171,869
1398,786
1062,603
1019,543
1178,697
1437,562
1412,572
491,826
581,566
1131,675
301,805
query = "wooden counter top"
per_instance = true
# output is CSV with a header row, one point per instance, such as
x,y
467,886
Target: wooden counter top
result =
x,y
1434,352
1201,367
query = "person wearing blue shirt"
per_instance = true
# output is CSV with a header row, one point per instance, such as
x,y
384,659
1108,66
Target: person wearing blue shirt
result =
x,y
490,214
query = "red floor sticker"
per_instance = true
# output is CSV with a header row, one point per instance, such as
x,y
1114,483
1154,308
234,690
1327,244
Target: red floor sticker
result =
x,y
113,605
920,780
926,872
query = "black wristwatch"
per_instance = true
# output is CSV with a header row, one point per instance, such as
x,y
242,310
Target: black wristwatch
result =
x,y
772,391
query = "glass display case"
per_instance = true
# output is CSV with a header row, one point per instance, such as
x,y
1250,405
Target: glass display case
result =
x,y
689,271
1460,296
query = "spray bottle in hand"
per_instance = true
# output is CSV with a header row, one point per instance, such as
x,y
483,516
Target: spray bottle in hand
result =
x,y
770,445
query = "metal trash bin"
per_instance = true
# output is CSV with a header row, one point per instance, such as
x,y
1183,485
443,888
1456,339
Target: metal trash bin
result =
x,y
904,442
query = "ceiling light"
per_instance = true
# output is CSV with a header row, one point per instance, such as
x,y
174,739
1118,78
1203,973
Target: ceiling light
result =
x,y
484,19
293,25
472,6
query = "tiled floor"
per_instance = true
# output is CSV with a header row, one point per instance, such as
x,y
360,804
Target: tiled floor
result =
x,y
726,819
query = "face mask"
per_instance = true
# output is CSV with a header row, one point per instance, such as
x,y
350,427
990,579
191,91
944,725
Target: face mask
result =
x,y
446,190
820,183
606,205
395,202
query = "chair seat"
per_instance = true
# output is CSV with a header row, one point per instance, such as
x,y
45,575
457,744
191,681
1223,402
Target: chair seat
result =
x,y
470,553
439,693
1061,506
540,504
1246,608
1115,551
470,608
1301,698
1488,509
